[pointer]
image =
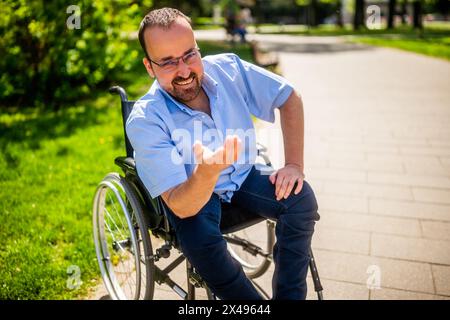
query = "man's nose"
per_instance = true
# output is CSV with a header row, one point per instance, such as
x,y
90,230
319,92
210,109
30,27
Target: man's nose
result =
x,y
183,69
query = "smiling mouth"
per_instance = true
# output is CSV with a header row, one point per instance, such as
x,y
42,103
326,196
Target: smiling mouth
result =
x,y
185,82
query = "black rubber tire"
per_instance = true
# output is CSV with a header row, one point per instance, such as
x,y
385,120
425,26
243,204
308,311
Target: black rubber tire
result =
x,y
145,283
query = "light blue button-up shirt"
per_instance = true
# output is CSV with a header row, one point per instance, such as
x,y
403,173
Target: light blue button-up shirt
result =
x,y
163,130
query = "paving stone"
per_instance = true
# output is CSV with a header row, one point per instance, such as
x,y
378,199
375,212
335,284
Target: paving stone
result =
x,y
426,250
410,180
436,230
338,290
341,240
442,279
393,294
337,175
342,203
438,196
370,223
355,189
395,274
408,209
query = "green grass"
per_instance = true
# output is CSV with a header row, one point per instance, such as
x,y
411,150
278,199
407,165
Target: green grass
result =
x,y
431,45
441,28
207,23
50,165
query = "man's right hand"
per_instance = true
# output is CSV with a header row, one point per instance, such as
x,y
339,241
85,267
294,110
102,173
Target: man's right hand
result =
x,y
215,162
187,198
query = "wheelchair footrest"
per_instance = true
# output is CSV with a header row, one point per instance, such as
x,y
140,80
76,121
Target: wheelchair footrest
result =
x,y
162,277
247,246
196,280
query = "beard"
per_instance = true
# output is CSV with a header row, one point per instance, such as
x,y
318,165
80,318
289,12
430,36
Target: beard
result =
x,y
188,92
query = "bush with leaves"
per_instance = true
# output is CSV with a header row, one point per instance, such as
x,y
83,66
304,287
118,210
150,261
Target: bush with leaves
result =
x,y
46,63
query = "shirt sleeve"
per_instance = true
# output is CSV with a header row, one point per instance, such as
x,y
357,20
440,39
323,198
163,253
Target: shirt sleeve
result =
x,y
158,162
265,90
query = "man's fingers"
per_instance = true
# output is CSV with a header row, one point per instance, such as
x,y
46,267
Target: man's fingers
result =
x,y
229,152
280,186
237,148
299,186
198,151
232,148
273,177
226,154
278,181
216,157
289,187
283,188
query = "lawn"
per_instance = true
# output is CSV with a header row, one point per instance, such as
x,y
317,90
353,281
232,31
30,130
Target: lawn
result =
x,y
434,45
50,165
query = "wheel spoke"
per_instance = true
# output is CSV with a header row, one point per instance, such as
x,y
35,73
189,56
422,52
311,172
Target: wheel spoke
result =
x,y
117,212
117,228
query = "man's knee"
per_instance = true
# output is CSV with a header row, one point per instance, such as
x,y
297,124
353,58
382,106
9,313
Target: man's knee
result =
x,y
199,233
203,245
305,203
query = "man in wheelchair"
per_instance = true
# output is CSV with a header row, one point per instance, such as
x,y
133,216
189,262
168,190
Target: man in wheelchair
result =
x,y
194,145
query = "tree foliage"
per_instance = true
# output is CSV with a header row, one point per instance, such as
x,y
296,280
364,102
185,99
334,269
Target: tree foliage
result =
x,y
44,62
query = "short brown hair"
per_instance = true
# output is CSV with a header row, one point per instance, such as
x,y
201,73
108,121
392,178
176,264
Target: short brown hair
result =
x,y
162,18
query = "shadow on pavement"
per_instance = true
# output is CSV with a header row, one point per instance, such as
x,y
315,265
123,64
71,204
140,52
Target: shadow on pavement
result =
x,y
315,47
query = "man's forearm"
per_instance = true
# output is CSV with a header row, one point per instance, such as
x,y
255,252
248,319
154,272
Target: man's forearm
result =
x,y
189,197
292,125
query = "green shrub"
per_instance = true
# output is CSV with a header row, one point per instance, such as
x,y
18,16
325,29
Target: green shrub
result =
x,y
44,62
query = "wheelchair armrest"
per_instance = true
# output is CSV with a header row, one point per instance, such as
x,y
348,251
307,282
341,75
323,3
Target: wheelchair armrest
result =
x,y
261,152
120,91
260,148
126,163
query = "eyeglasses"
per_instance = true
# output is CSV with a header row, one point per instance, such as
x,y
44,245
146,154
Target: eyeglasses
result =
x,y
172,64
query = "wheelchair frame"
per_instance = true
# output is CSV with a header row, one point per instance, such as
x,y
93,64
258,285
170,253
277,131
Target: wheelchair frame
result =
x,y
153,220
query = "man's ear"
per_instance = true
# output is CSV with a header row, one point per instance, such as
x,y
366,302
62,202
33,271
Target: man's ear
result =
x,y
148,66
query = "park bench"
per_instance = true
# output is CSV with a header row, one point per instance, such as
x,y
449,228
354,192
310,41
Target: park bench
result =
x,y
263,58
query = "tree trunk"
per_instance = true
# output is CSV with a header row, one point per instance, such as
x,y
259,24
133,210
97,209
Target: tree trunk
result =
x,y
404,13
442,7
312,9
417,14
358,20
391,14
339,20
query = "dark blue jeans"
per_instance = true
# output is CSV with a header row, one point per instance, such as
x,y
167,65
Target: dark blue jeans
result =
x,y
202,242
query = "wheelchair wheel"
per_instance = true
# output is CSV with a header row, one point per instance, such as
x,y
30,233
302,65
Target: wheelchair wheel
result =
x,y
255,248
122,241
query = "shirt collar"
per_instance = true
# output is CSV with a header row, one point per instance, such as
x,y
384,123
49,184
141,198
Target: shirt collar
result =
x,y
210,84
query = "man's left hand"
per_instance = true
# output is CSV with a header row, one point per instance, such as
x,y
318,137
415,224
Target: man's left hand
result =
x,y
285,179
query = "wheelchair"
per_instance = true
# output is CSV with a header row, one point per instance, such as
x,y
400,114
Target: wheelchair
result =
x,y
132,235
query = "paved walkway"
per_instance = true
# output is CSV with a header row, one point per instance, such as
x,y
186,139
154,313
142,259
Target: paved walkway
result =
x,y
378,157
